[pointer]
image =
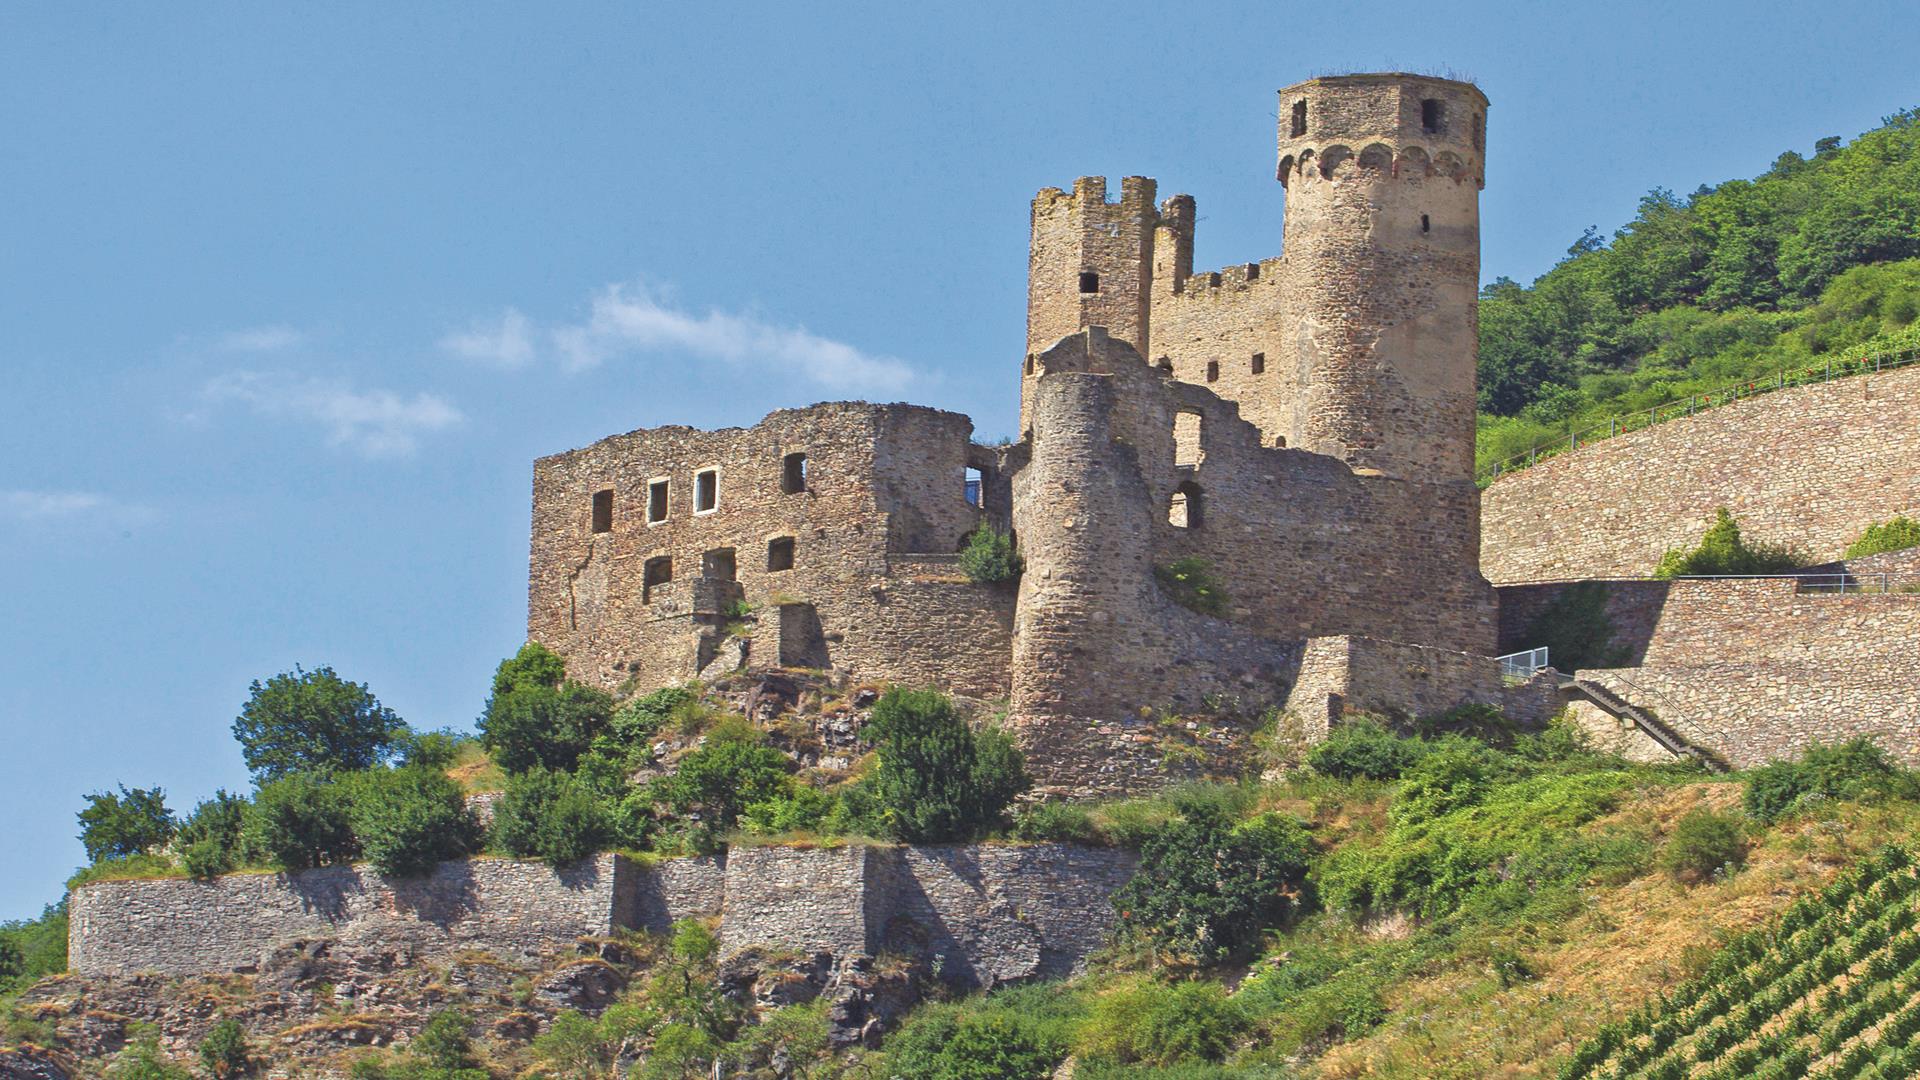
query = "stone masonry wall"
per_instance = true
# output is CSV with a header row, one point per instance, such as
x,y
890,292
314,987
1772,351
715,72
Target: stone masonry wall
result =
x,y
1341,675
1809,467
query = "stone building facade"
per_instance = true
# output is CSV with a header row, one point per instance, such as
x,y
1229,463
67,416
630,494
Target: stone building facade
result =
x,y
1302,425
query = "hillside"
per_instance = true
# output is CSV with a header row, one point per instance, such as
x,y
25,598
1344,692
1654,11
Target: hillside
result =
x,y
1812,258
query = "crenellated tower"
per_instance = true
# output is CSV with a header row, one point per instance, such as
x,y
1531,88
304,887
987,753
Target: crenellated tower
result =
x,y
1383,175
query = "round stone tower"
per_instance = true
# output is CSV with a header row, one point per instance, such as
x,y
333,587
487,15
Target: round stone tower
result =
x,y
1383,175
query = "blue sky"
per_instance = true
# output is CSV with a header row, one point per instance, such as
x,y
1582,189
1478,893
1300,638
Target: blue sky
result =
x,y
290,296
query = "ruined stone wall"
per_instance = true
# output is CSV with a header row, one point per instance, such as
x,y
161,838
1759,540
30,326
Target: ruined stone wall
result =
x,y
990,913
880,480
1347,674
1810,467
1211,327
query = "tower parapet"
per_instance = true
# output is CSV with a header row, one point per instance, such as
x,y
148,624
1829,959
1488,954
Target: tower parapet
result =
x,y
1383,175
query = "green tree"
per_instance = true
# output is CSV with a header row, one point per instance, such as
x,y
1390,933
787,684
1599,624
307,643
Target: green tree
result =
x,y
936,779
1207,887
989,556
409,820
550,815
301,821
733,770
212,838
313,721
535,718
223,1053
133,822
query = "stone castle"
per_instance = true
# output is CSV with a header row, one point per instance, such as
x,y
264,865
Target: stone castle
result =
x,y
1304,425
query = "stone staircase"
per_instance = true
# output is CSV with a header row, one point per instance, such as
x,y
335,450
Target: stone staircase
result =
x,y
1658,730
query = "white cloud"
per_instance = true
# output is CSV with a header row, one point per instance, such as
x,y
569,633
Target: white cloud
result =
x,y
505,342
48,507
373,423
261,339
626,320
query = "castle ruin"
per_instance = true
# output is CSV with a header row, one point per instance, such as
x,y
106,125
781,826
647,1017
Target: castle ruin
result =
x,y
1302,425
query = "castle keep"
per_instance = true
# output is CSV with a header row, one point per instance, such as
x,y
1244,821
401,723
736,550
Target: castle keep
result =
x,y
1302,425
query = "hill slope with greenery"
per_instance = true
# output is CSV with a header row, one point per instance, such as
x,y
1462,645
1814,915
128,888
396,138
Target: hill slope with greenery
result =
x,y
1815,257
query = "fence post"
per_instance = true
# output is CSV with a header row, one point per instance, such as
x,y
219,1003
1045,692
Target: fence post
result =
x,y
1613,427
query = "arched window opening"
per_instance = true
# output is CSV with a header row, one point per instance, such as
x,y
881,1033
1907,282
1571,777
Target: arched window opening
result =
x,y
1185,510
1165,364
973,486
793,473
658,571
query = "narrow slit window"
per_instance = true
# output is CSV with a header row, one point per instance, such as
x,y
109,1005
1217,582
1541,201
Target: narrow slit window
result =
x,y
1258,364
656,502
658,571
1213,371
706,491
1430,116
793,473
1425,225
1089,281
1299,118
1479,132
780,554
603,511
1029,363
973,487
1184,509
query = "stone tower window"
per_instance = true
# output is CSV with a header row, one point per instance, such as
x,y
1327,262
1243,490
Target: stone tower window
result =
x,y
1213,371
1089,281
780,554
658,571
1184,510
657,501
973,487
603,511
1480,132
1258,364
706,491
793,473
1430,116
718,564
1186,438
1299,127
1425,225
1029,363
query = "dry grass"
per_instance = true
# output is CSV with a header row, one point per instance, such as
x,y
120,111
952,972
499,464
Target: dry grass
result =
x,y
475,772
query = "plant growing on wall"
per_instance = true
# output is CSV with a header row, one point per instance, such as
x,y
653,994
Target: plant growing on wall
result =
x,y
1576,630
1193,585
314,721
989,556
1897,535
1723,551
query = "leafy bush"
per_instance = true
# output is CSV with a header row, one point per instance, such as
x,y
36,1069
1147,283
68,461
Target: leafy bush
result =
x,y
733,770
1454,774
223,1053
535,718
445,1042
1362,747
549,815
989,557
314,721
799,809
1703,844
1193,585
408,820
1207,887
32,948
1723,551
1897,535
936,779
1158,1024
430,749
300,821
992,1044
133,822
644,716
212,839
1857,769
144,1060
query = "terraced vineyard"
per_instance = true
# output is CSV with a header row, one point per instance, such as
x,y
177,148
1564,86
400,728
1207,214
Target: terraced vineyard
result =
x,y
1830,993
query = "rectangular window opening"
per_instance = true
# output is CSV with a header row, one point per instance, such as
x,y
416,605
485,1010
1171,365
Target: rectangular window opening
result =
x,y
718,564
603,511
973,487
706,491
1299,118
793,473
1089,281
1258,364
1425,225
658,571
1213,371
1186,438
780,554
1430,116
656,502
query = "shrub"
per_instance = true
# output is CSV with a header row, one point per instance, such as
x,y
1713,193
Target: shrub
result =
x,y
549,815
301,821
1157,1024
1056,820
223,1053
1703,844
992,1044
733,770
314,721
1207,887
144,1060
33,948
935,778
1364,748
1457,773
989,557
1723,551
408,820
431,749
133,822
444,1043
212,839
535,718
1857,769
1193,585
801,808
1897,535
644,716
